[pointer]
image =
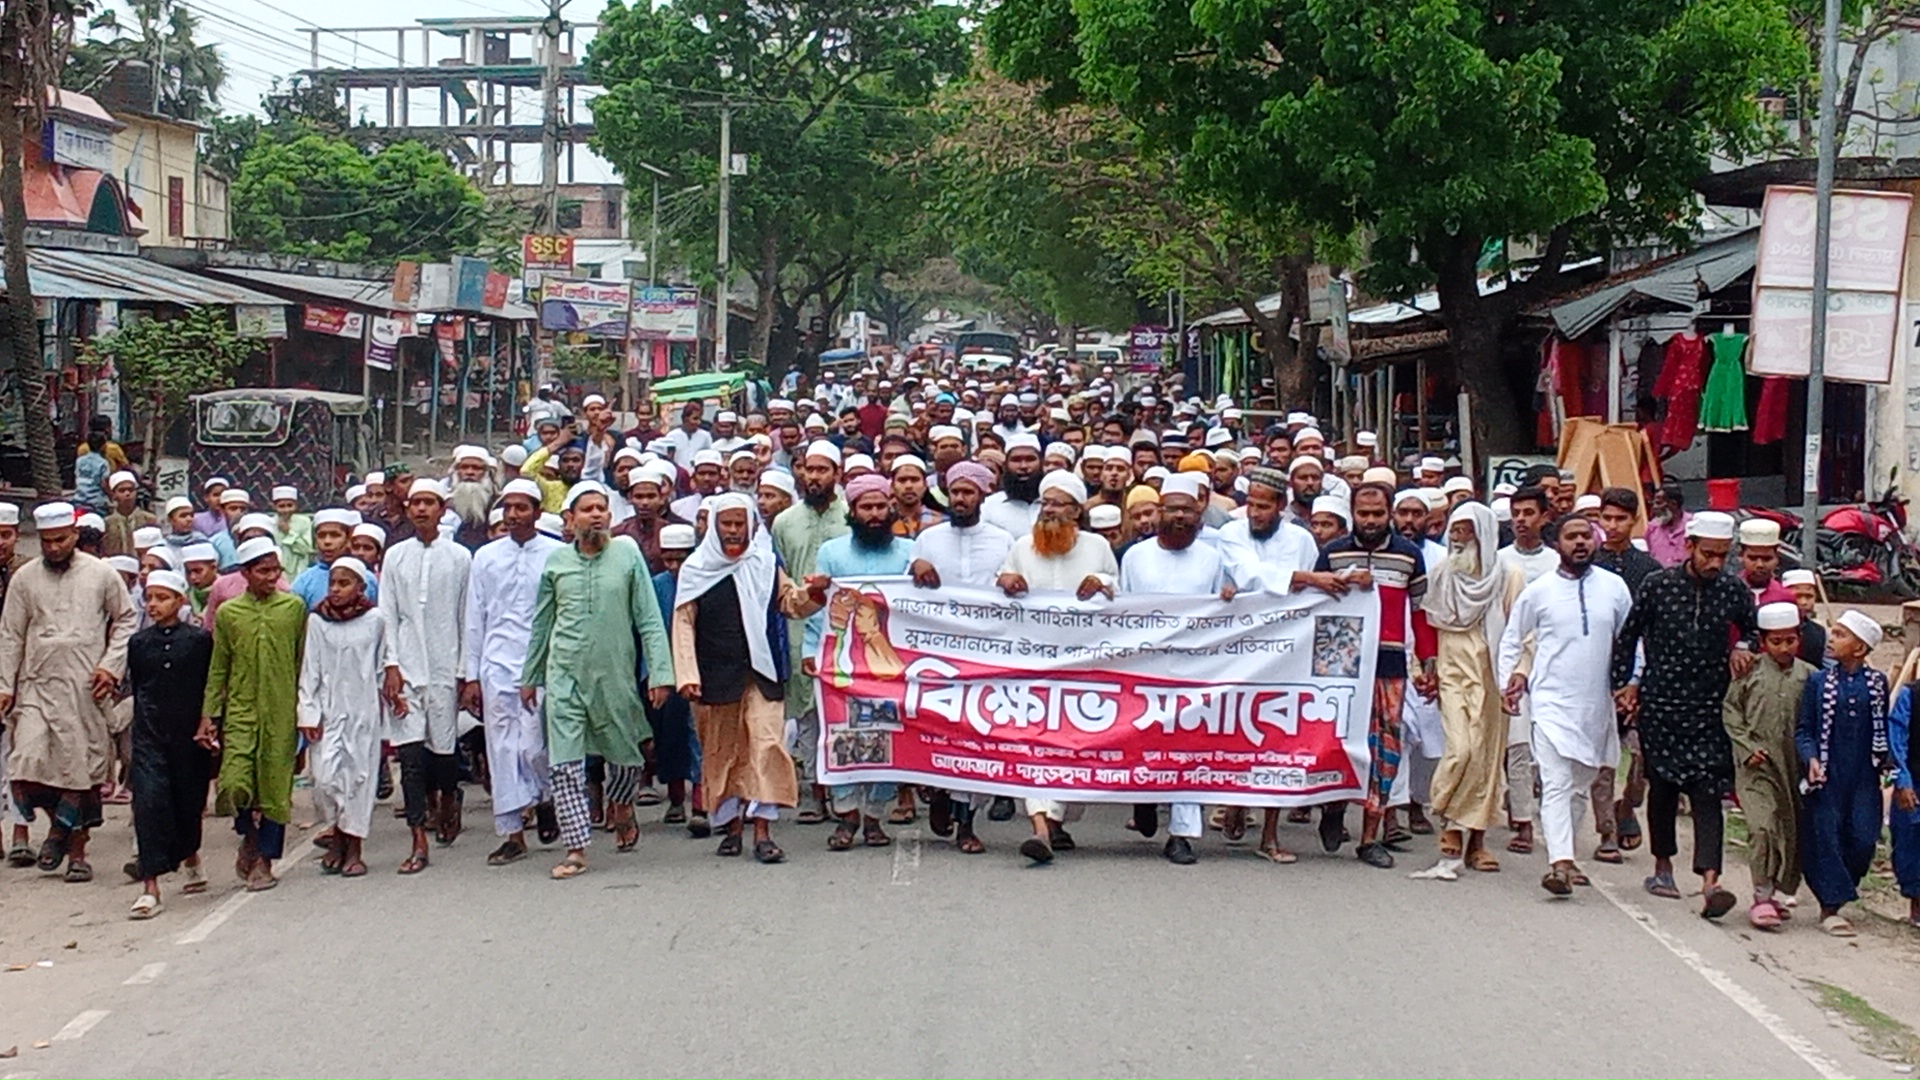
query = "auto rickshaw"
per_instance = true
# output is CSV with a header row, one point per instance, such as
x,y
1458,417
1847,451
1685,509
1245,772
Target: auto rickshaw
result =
x,y
258,437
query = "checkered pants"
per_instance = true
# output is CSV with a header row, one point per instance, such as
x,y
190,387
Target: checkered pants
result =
x,y
575,810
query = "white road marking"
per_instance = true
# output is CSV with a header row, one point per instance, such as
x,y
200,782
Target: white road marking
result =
x,y
1802,1047
80,1025
214,919
145,975
906,857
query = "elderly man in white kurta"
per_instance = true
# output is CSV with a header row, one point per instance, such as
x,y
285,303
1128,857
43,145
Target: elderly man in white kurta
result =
x,y
1573,615
63,650
500,598
423,598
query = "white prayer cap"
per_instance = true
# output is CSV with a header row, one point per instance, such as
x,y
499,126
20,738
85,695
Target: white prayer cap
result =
x,y
1309,434
860,462
514,456
1066,483
1435,498
122,477
626,453
1502,509
9,514
1218,437
1297,418
524,487
592,399
166,554
199,553
815,423
348,562
1459,483
1351,462
743,454
1157,472
213,481
236,495
469,452
1380,474
944,431
655,473
126,564
257,548
677,537
585,488
170,580
780,481
821,448
1759,533
1301,461
759,438
54,515
1024,440
372,532
1503,488
1409,495
1782,615
1224,401
148,536
1710,525
551,525
285,493
1251,453
356,492
1335,505
495,516
1586,502
1104,516
178,502
1794,578
708,457
1863,626
1230,413
249,522
426,485
909,461
726,416
91,520
1060,449
1429,465
1366,438
1191,484
375,477
346,519
778,404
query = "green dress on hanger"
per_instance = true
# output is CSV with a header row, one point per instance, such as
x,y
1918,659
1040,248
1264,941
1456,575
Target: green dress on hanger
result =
x,y
1723,405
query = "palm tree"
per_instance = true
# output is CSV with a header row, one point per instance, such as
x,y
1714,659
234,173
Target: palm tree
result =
x,y
187,75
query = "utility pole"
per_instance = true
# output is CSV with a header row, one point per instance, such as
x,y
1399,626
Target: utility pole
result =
x,y
724,256
550,28
653,237
1822,237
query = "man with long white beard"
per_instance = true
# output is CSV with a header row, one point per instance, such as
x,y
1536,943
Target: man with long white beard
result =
x,y
1056,556
869,549
798,533
1173,563
470,495
1016,505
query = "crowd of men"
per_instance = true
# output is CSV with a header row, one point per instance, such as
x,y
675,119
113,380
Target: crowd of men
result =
x,y
581,619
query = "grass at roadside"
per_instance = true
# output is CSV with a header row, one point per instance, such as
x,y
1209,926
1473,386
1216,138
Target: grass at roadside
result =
x,y
1878,1034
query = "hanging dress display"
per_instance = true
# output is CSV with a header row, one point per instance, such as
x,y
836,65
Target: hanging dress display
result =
x,y
1770,416
1682,377
1723,406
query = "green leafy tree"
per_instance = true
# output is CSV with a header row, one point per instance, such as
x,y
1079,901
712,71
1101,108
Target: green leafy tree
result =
x,y
321,195
159,37
1434,127
823,96
162,363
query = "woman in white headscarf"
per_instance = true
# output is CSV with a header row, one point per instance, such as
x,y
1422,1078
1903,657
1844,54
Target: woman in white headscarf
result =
x,y
731,606
1468,596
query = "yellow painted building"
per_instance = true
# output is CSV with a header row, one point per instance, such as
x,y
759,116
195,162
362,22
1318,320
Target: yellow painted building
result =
x,y
182,202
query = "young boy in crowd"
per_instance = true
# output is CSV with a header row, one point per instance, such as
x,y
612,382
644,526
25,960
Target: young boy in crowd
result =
x,y
1759,713
1842,738
172,759
676,749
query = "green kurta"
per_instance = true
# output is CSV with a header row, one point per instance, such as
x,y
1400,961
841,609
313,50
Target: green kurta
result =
x,y
1760,712
798,533
296,543
255,684
585,618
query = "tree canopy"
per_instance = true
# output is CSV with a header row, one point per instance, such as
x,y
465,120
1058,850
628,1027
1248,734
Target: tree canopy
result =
x,y
159,40
323,196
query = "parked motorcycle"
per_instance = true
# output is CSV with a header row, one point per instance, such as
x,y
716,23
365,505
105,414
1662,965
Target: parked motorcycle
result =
x,y
1864,546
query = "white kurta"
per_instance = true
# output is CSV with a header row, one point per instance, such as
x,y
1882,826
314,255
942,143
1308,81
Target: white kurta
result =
x,y
1541,562
56,630
971,556
1015,517
1196,570
1572,622
1267,564
341,668
423,599
1091,556
500,600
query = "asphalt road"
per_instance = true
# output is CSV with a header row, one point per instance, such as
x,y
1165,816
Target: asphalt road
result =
x,y
918,961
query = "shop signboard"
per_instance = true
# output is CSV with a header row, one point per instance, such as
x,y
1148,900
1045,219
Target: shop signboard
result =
x,y
338,321
542,257
597,308
383,341
662,313
1147,347
1866,252
260,320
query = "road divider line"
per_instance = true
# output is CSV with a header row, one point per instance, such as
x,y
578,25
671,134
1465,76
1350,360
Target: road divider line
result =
x,y
1802,1047
80,1025
906,857
145,975
212,920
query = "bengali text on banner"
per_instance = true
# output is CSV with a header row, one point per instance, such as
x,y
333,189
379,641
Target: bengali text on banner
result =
x,y
1258,700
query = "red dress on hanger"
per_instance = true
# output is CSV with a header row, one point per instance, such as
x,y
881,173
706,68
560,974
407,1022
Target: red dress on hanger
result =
x,y
1683,375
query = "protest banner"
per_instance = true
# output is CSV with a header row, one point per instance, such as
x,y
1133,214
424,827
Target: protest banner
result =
x,y
1262,700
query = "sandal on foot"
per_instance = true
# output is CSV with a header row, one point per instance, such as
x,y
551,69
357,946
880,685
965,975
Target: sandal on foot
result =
x,y
1234,827
145,907
810,816
1420,827
1764,915
546,823
766,852
196,881
52,853
676,815
1482,860
902,815
1630,834
1558,881
1276,854
1837,926
874,836
969,843
842,838
626,837
940,815
699,826
647,796
1520,845
20,856
1036,850
1719,902
511,851
1610,854
356,868
730,844
1299,815
1397,836
570,867
1662,885
79,871
415,863
262,881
